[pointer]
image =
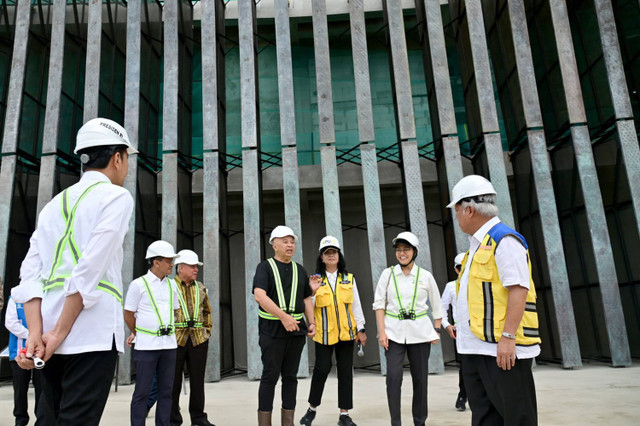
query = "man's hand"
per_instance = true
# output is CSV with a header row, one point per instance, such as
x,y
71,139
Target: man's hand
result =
x,y
451,329
290,323
383,340
361,337
312,330
35,348
51,340
506,354
130,339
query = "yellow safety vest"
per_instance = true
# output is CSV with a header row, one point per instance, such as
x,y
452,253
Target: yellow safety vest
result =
x,y
333,311
487,297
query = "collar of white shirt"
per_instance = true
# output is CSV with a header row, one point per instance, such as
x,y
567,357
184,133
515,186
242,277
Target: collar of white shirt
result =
x,y
151,277
398,270
95,175
480,233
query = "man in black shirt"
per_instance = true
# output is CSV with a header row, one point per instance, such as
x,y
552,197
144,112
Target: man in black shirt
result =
x,y
283,290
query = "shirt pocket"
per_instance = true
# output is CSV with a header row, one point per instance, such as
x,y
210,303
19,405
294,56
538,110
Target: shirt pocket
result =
x,y
323,298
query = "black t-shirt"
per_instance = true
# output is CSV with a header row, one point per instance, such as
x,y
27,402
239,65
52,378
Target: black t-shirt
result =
x,y
264,279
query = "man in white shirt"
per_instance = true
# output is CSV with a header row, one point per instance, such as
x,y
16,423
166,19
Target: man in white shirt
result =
x,y
152,302
497,329
71,283
449,299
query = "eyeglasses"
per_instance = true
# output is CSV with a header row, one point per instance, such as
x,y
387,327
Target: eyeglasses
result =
x,y
403,249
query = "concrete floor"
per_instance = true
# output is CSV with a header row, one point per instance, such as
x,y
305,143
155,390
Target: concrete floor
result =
x,y
592,395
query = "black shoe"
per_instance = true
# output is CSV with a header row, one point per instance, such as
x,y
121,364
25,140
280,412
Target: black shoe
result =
x,y
460,404
345,420
308,417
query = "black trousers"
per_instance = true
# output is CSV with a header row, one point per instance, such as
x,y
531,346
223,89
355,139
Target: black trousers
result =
x,y
497,396
196,359
418,354
162,364
75,387
322,368
463,391
21,380
280,357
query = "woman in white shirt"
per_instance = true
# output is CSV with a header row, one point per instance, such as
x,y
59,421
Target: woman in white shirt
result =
x,y
339,324
404,294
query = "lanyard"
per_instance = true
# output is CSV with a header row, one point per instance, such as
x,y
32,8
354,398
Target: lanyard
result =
x,y
403,314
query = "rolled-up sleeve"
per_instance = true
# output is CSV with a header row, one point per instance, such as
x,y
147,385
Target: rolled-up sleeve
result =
x,y
31,285
380,296
106,238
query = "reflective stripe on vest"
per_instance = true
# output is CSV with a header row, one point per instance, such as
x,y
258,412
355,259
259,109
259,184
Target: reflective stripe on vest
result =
x,y
412,309
280,290
65,240
185,309
157,311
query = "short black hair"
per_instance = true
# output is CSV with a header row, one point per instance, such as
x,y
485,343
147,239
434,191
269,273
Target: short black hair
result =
x,y
151,259
98,157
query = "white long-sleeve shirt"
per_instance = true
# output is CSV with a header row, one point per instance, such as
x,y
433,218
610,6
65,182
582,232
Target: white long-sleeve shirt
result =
x,y
101,222
404,331
513,269
138,301
12,323
449,299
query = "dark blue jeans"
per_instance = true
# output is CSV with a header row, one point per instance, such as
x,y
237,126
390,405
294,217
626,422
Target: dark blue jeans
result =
x,y
162,364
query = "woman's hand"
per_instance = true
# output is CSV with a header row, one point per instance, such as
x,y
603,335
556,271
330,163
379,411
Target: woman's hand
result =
x,y
361,337
383,340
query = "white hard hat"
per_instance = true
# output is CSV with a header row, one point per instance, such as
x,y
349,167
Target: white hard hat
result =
x,y
470,186
188,257
282,231
458,259
160,248
408,237
102,132
329,242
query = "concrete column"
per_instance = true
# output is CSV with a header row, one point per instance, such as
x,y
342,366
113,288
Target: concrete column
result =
x,y
131,124
412,178
251,174
46,183
541,169
92,68
12,123
211,180
170,95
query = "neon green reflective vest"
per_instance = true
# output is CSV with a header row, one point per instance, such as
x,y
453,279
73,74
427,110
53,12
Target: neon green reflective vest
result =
x,y
279,289
66,242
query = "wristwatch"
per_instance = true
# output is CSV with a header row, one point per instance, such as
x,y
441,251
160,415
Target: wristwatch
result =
x,y
437,329
361,330
508,335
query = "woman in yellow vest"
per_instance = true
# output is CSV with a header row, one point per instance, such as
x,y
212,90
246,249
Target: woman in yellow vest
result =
x,y
404,295
339,324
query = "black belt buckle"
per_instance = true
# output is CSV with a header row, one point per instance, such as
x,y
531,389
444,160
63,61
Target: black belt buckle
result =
x,y
165,331
191,323
404,315
412,315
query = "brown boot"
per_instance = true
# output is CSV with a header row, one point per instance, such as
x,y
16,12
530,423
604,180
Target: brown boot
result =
x,y
287,417
264,418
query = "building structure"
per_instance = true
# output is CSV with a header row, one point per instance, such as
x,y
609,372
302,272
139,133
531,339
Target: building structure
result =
x,y
350,118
